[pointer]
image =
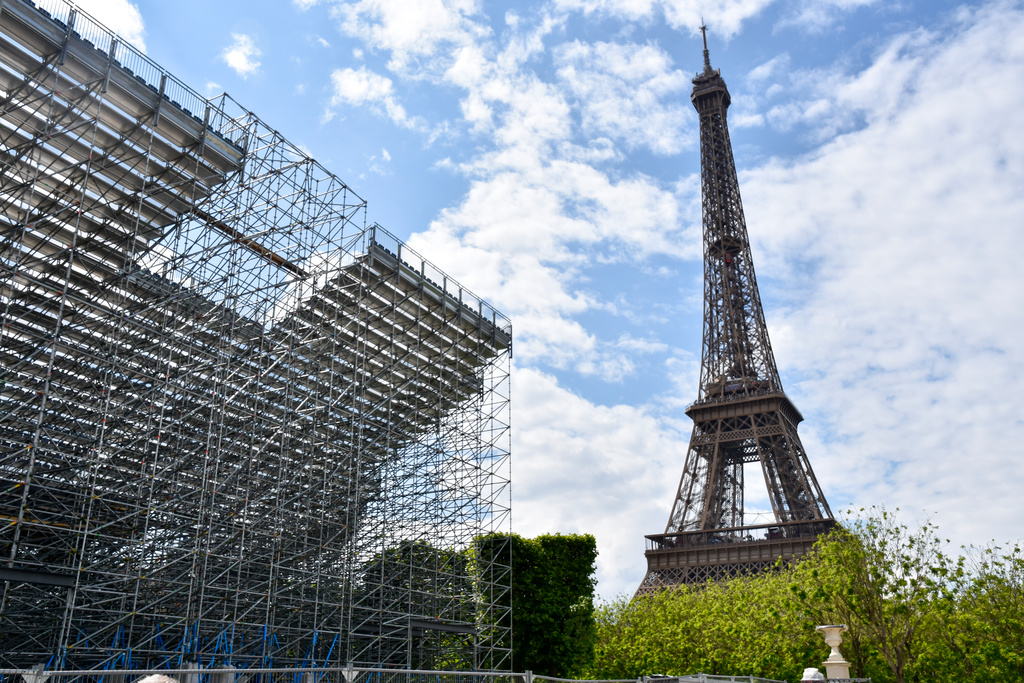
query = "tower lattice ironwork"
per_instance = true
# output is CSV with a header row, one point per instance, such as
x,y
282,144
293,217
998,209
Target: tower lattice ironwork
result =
x,y
741,414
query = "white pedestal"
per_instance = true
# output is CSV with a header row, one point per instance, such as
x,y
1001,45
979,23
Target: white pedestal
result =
x,y
836,668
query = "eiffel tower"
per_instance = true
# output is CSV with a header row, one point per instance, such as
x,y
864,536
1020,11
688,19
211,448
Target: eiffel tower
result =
x,y
741,414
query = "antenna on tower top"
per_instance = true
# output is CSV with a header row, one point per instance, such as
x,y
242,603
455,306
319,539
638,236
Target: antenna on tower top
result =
x,y
704,33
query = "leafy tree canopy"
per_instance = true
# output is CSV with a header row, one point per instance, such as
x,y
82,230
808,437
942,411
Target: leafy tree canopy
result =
x,y
915,613
551,599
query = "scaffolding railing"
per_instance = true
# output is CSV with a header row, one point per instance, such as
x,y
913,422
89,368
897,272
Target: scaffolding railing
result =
x,y
86,31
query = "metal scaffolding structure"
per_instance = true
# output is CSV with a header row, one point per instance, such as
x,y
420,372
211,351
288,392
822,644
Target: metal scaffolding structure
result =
x,y
238,425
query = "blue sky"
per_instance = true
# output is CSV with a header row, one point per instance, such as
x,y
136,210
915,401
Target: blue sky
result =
x,y
544,154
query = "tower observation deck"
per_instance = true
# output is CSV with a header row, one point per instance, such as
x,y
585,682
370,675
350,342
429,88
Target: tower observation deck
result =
x,y
238,425
741,414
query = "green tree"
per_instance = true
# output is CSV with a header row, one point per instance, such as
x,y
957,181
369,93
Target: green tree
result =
x,y
746,626
492,566
551,599
915,613
413,579
979,622
883,580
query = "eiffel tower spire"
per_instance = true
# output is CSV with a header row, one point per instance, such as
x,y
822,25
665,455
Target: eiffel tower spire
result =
x,y
741,414
707,55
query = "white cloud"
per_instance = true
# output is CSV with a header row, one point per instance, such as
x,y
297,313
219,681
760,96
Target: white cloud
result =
x,y
741,120
582,468
362,87
628,92
242,55
410,31
895,241
828,101
768,69
533,269
614,361
379,164
635,345
725,17
817,15
539,213
120,16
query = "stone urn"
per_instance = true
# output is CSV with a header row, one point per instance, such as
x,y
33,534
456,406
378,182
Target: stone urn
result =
x,y
835,665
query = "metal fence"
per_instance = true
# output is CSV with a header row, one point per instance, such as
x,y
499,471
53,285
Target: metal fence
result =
x,y
349,674
710,678
282,675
